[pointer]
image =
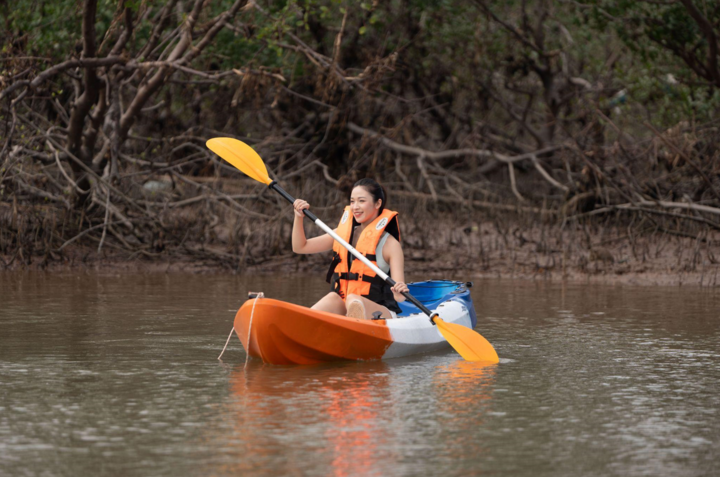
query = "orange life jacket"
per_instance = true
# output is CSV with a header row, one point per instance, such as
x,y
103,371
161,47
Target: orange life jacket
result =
x,y
360,279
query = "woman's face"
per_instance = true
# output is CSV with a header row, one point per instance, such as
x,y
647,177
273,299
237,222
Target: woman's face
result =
x,y
362,206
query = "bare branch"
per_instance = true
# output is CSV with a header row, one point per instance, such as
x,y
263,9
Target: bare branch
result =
x,y
454,153
88,63
712,41
147,90
547,176
513,184
686,157
475,203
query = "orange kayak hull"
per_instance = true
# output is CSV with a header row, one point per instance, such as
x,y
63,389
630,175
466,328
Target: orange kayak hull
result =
x,y
283,333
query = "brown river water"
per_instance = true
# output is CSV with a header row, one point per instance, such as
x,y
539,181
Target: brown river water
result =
x,y
118,375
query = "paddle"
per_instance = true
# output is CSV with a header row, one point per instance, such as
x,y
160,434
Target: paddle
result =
x,y
468,343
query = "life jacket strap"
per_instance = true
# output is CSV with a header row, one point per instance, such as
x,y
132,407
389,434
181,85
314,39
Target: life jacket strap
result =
x,y
356,276
337,259
348,276
331,271
335,278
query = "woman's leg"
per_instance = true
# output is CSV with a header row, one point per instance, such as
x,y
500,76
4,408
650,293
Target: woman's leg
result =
x,y
332,303
369,307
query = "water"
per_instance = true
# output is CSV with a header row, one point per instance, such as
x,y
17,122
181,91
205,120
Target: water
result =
x,y
117,375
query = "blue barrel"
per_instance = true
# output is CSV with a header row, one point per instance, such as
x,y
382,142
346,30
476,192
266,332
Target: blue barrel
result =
x,y
432,293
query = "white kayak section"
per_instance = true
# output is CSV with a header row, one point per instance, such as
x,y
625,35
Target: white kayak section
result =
x,y
415,334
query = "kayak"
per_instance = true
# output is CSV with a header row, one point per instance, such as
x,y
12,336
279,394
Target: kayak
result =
x,y
284,333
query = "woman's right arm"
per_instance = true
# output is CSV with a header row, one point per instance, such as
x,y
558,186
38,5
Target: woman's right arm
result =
x,y
300,244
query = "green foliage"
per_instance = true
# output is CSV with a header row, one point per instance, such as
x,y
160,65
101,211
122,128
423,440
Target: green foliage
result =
x,y
450,46
659,36
50,27
649,28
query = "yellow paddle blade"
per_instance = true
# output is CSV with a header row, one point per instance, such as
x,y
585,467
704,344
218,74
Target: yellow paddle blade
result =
x,y
468,343
241,156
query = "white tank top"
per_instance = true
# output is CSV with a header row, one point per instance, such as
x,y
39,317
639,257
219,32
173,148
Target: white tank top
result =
x,y
382,264
380,260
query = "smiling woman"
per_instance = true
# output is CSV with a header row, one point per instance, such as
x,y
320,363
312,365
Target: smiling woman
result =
x,y
357,291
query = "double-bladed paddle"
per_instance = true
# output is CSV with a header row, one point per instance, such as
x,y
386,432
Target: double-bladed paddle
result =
x,y
467,342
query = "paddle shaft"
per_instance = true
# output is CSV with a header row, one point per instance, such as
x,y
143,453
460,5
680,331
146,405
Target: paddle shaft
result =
x,y
274,185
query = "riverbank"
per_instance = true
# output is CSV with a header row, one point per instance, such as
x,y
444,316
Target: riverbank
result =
x,y
461,251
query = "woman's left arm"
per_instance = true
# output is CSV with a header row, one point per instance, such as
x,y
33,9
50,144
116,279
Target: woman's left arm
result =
x,y
393,255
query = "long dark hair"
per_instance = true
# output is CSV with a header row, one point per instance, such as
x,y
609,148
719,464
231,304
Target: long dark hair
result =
x,y
375,190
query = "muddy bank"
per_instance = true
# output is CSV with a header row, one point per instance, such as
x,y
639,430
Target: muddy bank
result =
x,y
609,255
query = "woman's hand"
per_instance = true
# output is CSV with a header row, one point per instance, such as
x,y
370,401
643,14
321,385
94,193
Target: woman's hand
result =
x,y
400,288
299,205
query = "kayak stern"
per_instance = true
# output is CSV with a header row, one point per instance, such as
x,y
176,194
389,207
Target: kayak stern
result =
x,y
284,333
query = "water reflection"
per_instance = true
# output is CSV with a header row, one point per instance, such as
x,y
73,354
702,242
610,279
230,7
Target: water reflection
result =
x,y
464,393
352,428
358,418
463,382
340,407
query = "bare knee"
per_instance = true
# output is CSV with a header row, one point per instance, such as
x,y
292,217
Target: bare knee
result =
x,y
331,298
335,299
331,303
353,297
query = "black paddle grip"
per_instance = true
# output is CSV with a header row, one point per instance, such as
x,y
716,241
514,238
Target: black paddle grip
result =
x,y
291,199
412,300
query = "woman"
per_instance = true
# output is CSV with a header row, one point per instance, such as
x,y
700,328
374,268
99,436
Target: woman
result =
x,y
374,231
